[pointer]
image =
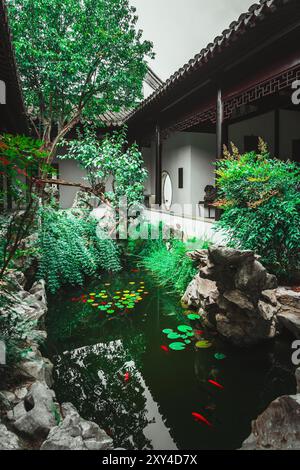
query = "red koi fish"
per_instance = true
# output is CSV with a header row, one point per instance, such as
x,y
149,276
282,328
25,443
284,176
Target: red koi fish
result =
x,y
135,270
164,348
199,332
216,384
127,376
201,418
84,301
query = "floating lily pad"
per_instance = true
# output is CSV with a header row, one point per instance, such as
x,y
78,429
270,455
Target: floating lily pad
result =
x,y
178,346
174,335
184,328
193,316
219,356
167,331
90,301
203,344
116,297
190,334
110,311
187,341
93,294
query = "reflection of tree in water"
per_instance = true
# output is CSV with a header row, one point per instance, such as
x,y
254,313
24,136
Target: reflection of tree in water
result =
x,y
92,378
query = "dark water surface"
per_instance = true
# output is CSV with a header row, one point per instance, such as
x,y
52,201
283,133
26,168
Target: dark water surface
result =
x,y
93,350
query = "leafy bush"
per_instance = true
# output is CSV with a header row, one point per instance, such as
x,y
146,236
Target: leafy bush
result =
x,y
70,249
260,197
169,263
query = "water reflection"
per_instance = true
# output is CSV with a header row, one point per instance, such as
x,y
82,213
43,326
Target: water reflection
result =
x,y
125,409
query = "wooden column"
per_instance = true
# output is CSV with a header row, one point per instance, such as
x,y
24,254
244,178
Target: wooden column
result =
x,y
219,124
158,166
219,135
277,133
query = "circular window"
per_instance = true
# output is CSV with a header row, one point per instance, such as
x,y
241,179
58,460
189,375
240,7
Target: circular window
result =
x,y
167,190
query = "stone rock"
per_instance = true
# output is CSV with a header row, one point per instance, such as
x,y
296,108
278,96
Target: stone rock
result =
x,y
34,417
268,311
239,299
228,256
297,375
8,440
75,433
39,369
234,290
251,277
277,428
289,312
200,290
270,297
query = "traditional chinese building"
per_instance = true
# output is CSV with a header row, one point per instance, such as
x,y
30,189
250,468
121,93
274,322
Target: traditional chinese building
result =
x,y
236,89
12,112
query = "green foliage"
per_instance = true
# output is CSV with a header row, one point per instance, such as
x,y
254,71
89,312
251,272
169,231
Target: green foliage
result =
x,y
260,196
72,248
110,160
21,157
77,59
167,260
170,265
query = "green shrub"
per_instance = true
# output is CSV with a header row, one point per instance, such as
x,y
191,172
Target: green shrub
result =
x,y
169,263
260,197
70,249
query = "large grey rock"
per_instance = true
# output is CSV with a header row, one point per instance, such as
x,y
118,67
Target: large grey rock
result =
x,y
278,427
35,415
289,312
228,256
234,290
239,299
8,440
251,277
200,290
75,433
38,368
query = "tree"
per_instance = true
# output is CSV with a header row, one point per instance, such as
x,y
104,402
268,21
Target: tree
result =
x,y
21,160
260,197
77,59
110,159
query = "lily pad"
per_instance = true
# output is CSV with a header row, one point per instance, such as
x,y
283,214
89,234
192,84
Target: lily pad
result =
x,y
167,331
178,346
193,316
187,341
203,344
110,311
184,328
219,356
174,335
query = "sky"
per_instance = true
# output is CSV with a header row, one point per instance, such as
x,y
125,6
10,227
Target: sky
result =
x,y
179,29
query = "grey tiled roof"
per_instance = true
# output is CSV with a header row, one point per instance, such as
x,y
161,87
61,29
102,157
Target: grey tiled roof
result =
x,y
247,21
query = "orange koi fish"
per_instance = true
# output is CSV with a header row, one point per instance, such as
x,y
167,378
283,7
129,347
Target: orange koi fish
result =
x,y
201,418
216,384
127,377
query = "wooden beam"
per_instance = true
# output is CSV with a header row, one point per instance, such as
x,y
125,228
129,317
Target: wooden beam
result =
x,y
158,166
219,124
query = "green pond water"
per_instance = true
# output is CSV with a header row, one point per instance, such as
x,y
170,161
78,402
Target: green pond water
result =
x,y
112,367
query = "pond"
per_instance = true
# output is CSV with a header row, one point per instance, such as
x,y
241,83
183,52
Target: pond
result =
x,y
118,370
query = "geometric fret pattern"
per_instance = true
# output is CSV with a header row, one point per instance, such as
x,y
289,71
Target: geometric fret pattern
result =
x,y
260,90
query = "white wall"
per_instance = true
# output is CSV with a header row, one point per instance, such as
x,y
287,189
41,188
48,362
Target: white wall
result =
x,y
289,131
262,126
69,170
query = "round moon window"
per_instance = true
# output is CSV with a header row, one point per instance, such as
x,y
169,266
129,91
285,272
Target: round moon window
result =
x,y
167,190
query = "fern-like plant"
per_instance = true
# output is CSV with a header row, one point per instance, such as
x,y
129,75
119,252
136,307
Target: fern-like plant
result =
x,y
71,249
